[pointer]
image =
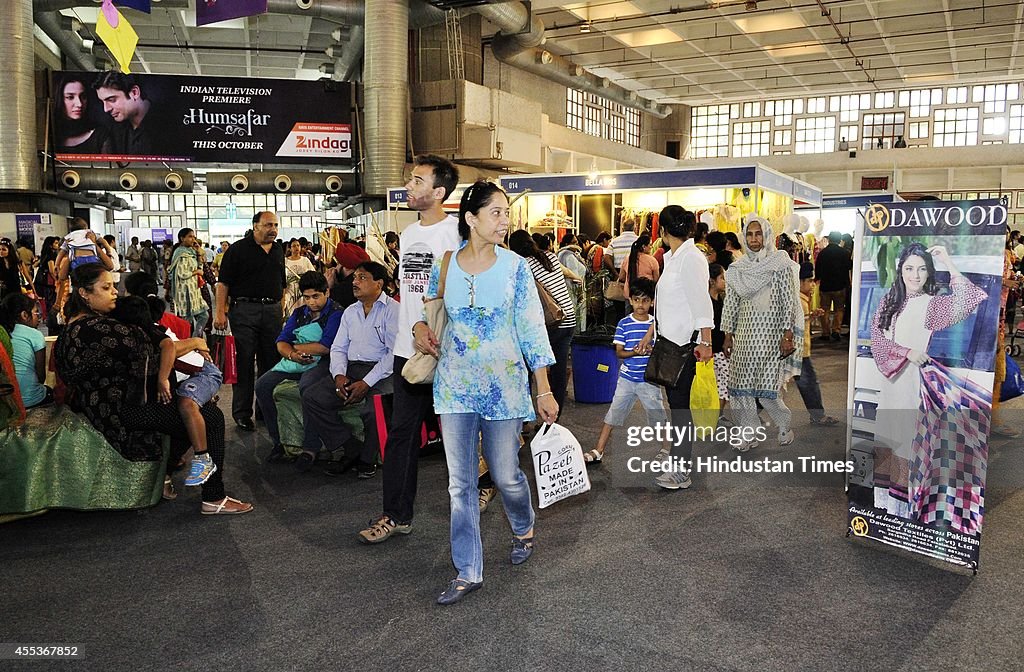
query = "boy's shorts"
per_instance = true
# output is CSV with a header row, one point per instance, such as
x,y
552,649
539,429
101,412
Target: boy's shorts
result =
x,y
203,386
627,392
79,261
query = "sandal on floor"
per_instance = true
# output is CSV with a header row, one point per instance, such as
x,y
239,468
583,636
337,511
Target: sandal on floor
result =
x,y
169,492
826,421
226,507
592,456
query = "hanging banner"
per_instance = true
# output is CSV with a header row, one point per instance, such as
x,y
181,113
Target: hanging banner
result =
x,y
921,377
212,11
111,116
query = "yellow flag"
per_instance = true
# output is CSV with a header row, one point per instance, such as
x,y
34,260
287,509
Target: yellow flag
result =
x,y
120,41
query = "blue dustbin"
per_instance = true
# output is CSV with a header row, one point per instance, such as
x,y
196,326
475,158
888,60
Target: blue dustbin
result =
x,y
595,368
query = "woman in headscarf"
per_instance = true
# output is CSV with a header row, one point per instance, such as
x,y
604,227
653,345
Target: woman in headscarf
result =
x,y
763,324
184,272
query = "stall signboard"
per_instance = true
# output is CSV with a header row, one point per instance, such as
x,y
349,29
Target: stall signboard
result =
x,y
926,311
25,227
639,180
663,179
110,116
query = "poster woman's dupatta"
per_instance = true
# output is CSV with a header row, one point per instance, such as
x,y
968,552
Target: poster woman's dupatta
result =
x,y
949,455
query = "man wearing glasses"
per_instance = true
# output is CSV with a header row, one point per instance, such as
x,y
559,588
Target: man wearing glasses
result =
x,y
362,359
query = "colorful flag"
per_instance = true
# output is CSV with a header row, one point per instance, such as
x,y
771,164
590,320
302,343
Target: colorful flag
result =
x,y
212,11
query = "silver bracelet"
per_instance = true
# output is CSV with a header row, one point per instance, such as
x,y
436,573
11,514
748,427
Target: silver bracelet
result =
x,y
545,394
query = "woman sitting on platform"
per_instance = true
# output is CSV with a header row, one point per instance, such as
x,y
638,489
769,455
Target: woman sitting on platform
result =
x,y
104,362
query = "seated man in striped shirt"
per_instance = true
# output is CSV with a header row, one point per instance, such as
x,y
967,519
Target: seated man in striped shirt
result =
x,y
362,359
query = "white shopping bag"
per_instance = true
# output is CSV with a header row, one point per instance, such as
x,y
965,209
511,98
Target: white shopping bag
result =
x,y
558,464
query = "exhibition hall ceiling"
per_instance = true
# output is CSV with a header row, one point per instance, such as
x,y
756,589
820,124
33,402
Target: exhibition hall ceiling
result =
x,y
671,51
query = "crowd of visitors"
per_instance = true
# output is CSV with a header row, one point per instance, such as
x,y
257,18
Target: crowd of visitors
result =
x,y
141,371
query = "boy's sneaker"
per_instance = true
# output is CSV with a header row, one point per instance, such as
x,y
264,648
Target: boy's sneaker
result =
x,y
673,480
201,470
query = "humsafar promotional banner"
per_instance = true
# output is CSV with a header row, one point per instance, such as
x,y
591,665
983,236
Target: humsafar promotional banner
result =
x,y
926,312
110,116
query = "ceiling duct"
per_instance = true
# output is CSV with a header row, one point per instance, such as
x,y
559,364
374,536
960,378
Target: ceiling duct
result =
x,y
519,42
281,182
386,94
131,179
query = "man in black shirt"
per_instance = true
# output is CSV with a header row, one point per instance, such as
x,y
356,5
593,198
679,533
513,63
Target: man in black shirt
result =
x,y
251,283
832,270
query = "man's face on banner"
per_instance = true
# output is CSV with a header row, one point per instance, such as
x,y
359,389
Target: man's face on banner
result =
x,y
119,105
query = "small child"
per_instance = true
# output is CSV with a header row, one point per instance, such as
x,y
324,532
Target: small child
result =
x,y
194,389
631,385
807,381
81,246
716,288
19,315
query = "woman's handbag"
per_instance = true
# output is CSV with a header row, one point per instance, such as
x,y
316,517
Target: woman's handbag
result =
x,y
666,362
615,291
421,366
553,313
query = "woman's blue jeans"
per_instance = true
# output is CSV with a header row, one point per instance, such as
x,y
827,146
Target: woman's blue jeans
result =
x,y
461,432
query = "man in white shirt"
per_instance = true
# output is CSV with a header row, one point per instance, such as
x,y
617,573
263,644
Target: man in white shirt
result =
x,y
622,243
116,258
433,180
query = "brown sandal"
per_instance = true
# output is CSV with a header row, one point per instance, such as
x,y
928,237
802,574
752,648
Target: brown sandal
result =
x,y
169,493
226,507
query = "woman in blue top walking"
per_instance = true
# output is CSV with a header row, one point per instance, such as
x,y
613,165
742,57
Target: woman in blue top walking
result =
x,y
495,336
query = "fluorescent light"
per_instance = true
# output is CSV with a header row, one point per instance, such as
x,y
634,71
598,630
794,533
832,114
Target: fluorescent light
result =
x,y
647,38
615,10
795,49
769,22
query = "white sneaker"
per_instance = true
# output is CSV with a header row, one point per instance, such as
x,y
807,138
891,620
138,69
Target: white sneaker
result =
x,y
787,437
673,480
747,445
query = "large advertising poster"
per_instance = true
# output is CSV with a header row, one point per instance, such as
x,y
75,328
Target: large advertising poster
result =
x,y
927,311
110,116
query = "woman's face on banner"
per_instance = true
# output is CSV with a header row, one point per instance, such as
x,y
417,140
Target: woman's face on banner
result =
x,y
915,274
74,100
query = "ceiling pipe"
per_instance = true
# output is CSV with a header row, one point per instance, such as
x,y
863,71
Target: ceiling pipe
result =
x,y
69,43
519,43
347,64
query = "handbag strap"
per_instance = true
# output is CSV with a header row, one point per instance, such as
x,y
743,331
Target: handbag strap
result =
x,y
444,274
